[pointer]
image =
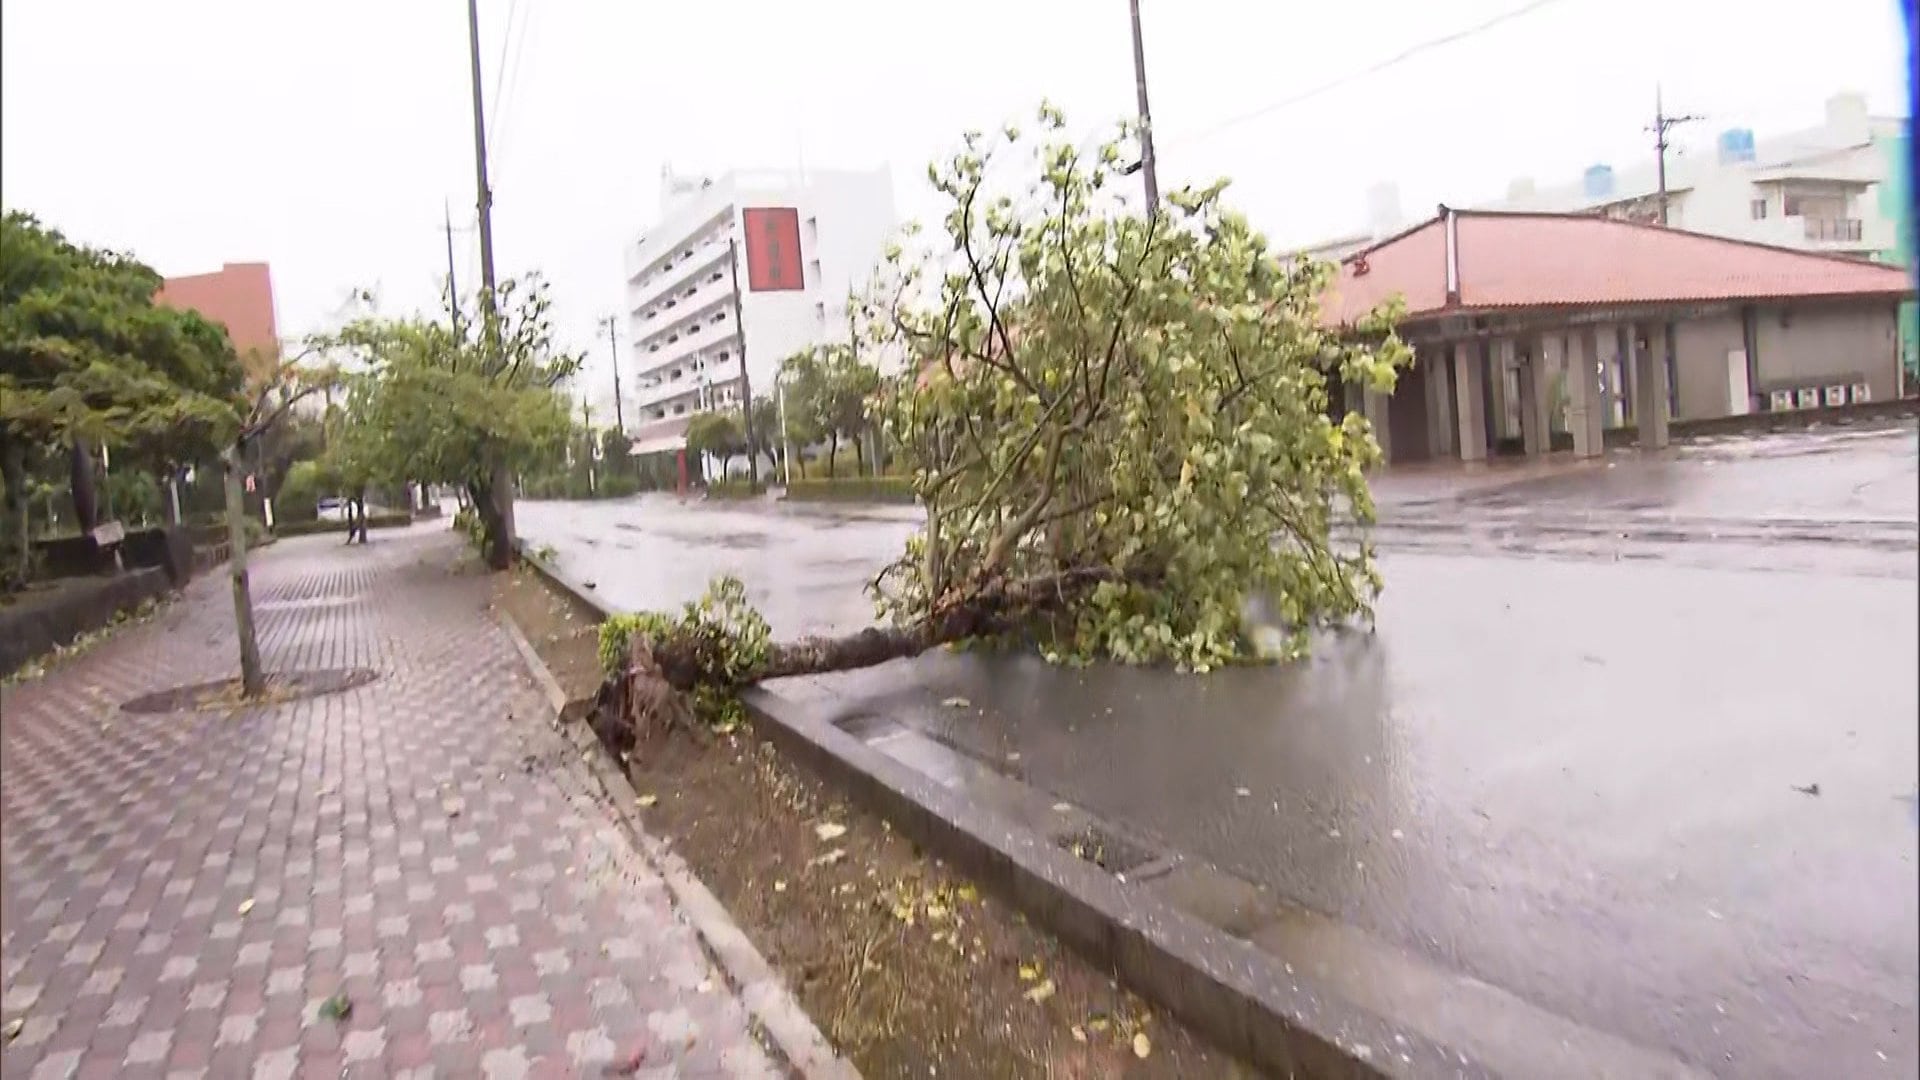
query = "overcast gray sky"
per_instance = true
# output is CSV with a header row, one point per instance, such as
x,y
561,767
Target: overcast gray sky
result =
x,y
324,136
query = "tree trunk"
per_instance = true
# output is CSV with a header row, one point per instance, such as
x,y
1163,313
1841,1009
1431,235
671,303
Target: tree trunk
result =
x,y
493,501
859,456
86,506
252,679
13,471
833,451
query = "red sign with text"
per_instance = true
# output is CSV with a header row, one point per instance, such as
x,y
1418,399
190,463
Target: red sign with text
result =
x,y
773,249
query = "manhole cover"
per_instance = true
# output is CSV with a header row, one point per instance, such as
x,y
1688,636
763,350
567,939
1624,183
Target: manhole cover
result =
x,y
1109,853
225,693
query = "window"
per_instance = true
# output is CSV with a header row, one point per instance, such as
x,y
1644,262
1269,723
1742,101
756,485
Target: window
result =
x,y
719,317
679,410
813,271
1759,207
725,356
820,311
675,374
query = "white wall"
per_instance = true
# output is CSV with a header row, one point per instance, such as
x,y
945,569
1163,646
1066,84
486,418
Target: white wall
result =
x,y
846,219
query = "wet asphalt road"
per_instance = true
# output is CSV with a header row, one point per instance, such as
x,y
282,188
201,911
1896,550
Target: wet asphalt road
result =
x,y
1573,761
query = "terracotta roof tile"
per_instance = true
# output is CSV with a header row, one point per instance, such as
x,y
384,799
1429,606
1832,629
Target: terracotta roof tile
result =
x,y
1521,260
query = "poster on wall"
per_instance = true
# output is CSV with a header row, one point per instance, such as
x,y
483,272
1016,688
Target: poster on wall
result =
x,y
773,249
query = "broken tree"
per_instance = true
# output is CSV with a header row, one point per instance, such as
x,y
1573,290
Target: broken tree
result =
x,y
1117,423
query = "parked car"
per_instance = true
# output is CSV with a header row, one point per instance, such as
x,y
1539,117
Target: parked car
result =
x,y
331,510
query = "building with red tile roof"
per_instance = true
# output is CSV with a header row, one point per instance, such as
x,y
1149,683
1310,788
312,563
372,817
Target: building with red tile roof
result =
x,y
1501,307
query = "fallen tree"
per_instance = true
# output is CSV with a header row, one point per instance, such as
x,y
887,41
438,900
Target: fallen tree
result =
x,y
1117,423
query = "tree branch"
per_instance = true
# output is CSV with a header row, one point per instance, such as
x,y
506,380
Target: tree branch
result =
x,y
1011,367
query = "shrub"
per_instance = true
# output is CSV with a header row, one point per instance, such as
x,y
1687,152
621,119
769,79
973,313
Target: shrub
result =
x,y
135,497
877,489
299,493
733,489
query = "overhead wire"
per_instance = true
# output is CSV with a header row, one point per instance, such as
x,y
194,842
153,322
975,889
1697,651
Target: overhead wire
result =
x,y
510,72
500,69
1396,59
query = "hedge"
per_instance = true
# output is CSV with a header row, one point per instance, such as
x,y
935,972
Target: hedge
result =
x,y
304,528
877,489
734,489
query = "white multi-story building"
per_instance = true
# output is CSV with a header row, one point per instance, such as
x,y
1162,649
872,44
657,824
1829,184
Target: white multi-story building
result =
x,y
1834,188
821,234
1824,188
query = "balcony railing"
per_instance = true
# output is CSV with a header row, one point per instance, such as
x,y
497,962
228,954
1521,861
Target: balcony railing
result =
x,y
1821,228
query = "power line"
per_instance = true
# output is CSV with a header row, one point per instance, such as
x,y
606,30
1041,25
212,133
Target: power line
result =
x,y
1352,77
511,71
500,69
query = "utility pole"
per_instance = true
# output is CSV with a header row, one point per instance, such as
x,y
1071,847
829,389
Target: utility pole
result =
x,y
453,286
1147,159
1661,123
613,343
586,417
485,200
499,484
746,387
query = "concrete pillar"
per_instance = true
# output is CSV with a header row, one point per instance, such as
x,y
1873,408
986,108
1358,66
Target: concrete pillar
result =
x,y
1376,405
1499,359
1440,423
1536,436
1586,403
1650,387
1469,389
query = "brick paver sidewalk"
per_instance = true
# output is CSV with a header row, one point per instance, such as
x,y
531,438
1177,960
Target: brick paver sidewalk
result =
x,y
183,891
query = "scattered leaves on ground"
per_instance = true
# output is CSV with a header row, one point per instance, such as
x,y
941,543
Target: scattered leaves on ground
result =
x,y
246,905
337,1007
1040,992
647,800
13,1027
957,702
1142,1046
828,830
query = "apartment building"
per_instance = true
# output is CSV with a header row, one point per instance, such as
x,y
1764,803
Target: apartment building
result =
x,y
1823,189
804,242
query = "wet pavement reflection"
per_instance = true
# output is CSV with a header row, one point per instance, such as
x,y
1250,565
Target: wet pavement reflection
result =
x,y
1646,759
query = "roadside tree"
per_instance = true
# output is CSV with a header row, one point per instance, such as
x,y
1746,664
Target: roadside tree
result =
x,y
429,404
86,357
718,434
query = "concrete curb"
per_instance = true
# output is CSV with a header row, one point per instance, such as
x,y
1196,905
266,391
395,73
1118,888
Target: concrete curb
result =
x,y
772,1008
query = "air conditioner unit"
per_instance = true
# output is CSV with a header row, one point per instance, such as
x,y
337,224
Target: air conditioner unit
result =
x,y
1809,397
1862,392
1780,401
1836,396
